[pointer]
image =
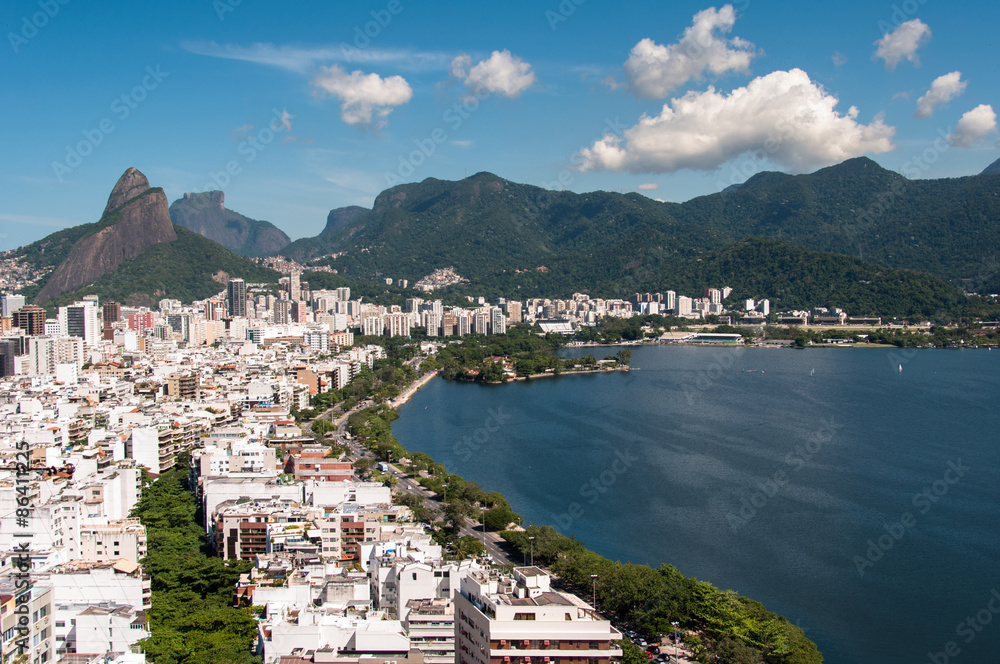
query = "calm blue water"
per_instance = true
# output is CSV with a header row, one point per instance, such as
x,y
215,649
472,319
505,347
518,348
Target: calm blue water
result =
x,y
819,465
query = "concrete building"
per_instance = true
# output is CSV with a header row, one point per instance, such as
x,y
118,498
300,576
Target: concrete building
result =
x,y
108,541
10,303
498,322
236,298
46,353
183,386
39,614
430,624
80,320
30,318
520,619
398,324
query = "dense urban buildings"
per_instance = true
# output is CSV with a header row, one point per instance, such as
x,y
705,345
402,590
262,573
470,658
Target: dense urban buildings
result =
x,y
105,391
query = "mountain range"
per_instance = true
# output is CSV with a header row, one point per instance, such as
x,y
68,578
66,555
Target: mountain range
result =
x,y
133,254
852,235
487,227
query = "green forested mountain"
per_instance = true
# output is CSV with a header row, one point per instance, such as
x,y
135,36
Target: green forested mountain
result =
x,y
879,229
133,255
992,168
797,278
486,227
189,268
948,227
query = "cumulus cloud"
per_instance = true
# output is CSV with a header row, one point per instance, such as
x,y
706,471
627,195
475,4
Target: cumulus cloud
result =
x,y
649,186
973,126
783,115
501,73
943,89
902,43
365,99
653,71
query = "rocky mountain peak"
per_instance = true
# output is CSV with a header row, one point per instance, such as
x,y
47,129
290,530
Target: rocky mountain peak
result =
x,y
207,197
138,223
131,184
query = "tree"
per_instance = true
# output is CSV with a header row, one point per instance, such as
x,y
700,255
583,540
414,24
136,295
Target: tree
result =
x,y
624,356
468,546
499,518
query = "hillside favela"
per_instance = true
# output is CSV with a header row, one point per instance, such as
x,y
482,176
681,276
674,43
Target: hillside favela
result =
x,y
547,333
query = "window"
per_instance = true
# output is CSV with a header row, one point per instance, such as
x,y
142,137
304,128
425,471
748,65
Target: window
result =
x,y
525,616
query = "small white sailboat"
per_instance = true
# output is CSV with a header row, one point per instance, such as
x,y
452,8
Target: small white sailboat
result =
x,y
900,368
812,373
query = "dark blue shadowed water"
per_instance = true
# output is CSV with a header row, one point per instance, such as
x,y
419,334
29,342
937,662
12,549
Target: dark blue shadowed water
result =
x,y
744,468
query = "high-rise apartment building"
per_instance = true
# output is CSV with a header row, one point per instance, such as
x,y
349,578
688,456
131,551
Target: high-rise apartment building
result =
x,y
80,320
214,310
236,295
670,301
498,322
282,312
111,313
31,319
9,303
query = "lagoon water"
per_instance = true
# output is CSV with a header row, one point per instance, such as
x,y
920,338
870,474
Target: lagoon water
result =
x,y
770,472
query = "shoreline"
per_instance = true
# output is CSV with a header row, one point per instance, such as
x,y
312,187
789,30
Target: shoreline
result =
x,y
498,537
412,389
550,374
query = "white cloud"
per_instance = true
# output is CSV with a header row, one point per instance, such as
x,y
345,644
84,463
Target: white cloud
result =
x,y
365,99
839,59
784,116
902,43
943,89
502,73
304,59
460,66
649,186
973,126
654,71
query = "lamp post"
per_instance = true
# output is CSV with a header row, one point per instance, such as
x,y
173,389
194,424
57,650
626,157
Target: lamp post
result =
x,y
531,546
676,649
594,578
524,556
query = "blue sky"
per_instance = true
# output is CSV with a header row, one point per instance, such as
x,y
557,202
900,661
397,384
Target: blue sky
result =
x,y
295,108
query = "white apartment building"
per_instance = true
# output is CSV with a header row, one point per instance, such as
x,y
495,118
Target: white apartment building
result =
x,y
520,619
112,540
430,624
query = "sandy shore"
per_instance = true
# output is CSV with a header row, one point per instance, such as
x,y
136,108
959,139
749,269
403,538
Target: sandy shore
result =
x,y
412,389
